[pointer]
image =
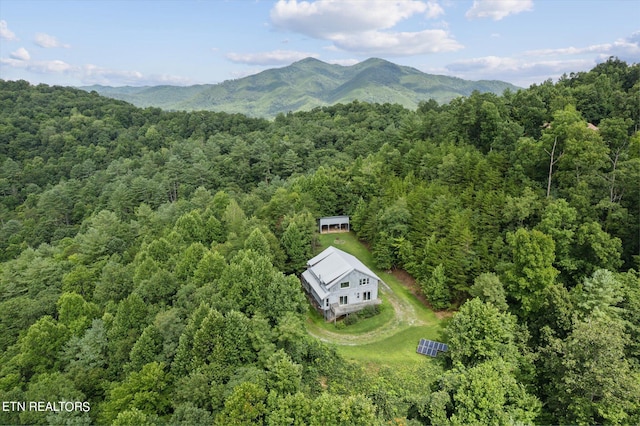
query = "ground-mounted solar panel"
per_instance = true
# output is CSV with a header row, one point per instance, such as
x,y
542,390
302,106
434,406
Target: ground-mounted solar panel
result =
x,y
422,347
442,347
431,348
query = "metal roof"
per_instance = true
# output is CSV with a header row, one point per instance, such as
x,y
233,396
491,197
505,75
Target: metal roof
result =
x,y
333,264
315,285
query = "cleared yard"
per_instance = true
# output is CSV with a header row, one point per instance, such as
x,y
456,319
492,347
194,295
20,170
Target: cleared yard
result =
x,y
389,338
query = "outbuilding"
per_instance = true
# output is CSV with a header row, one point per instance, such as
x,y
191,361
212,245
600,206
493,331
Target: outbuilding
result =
x,y
333,224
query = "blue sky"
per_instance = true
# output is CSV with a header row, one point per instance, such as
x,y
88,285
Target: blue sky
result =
x,y
150,42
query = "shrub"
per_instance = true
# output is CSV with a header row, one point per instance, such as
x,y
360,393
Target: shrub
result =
x,y
351,319
369,311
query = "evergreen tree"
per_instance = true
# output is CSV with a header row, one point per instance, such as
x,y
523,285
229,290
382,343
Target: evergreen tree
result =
x,y
297,246
436,289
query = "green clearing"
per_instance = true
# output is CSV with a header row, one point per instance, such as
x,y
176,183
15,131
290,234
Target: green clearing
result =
x,y
398,349
361,327
389,338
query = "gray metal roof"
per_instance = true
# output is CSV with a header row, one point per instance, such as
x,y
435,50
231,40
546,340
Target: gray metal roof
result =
x,y
334,219
333,264
313,282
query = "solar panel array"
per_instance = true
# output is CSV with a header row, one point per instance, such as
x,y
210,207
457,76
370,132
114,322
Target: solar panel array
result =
x,y
431,348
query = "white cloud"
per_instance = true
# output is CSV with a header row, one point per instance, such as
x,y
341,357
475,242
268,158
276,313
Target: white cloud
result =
x,y
325,18
536,66
569,50
485,64
516,70
498,9
364,26
15,63
627,49
91,74
21,54
434,10
40,67
6,33
48,41
55,66
275,57
400,44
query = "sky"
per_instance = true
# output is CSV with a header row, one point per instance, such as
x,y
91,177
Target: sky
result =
x,y
153,42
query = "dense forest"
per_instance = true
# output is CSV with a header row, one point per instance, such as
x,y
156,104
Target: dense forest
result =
x,y
149,258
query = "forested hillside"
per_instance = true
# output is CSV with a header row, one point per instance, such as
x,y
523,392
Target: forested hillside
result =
x,y
149,257
304,85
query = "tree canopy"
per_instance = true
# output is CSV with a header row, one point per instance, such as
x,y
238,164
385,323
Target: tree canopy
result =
x,y
148,257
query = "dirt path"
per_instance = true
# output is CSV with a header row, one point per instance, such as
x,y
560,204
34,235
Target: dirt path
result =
x,y
404,316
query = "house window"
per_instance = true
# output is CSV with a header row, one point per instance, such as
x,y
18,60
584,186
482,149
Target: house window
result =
x,y
344,300
326,302
344,285
366,295
364,281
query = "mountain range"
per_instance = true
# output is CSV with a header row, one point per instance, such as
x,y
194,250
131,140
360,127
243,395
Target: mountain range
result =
x,y
304,85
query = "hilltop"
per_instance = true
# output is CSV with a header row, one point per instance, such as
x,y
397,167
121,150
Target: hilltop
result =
x,y
304,85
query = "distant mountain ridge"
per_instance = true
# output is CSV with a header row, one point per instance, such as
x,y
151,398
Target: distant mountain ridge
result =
x,y
304,85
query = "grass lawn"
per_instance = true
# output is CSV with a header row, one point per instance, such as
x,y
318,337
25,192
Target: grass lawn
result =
x,y
389,338
363,326
398,349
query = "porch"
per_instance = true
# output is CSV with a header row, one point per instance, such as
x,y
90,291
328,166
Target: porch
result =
x,y
336,310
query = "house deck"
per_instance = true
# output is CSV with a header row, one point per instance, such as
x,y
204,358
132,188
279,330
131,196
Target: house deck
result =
x,y
338,310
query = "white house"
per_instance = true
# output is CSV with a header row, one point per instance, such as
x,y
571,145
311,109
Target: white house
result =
x,y
339,283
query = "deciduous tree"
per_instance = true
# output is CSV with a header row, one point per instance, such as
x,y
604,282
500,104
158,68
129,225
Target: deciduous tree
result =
x,y
479,332
589,380
531,269
486,393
